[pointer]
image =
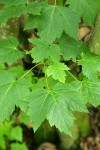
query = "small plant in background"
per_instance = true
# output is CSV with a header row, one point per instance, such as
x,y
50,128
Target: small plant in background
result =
x,y
11,136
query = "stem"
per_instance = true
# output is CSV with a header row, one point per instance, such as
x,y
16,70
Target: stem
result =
x,y
55,2
46,80
60,2
30,70
72,75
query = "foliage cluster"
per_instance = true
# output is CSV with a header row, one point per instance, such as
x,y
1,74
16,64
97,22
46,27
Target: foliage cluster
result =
x,y
11,136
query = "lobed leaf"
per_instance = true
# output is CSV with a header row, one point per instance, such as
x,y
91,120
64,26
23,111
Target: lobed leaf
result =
x,y
16,9
90,65
13,3
70,48
8,50
87,9
56,106
53,21
57,71
11,93
91,92
11,11
44,50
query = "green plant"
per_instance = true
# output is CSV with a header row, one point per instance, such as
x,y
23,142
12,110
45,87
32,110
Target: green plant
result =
x,y
58,91
10,133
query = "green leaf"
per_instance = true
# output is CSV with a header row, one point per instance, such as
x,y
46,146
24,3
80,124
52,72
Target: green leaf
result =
x,y
55,19
44,50
32,22
57,71
44,102
18,72
70,48
16,134
16,9
24,119
11,11
90,65
91,92
72,94
18,146
2,143
12,93
6,127
13,3
8,50
56,105
39,100
34,8
87,9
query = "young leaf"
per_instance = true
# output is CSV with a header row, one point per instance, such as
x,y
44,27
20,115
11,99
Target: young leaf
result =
x,y
56,105
87,9
8,50
16,134
44,50
70,48
90,65
2,142
57,71
11,93
91,92
18,146
55,19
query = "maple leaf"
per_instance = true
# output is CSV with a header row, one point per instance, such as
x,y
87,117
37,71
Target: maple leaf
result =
x,y
56,105
91,92
44,50
54,20
90,65
70,48
13,3
87,9
11,11
57,71
43,101
8,51
11,93
72,95
16,9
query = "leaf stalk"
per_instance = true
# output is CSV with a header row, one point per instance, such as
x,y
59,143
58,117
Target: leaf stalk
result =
x,y
72,75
